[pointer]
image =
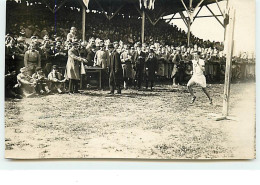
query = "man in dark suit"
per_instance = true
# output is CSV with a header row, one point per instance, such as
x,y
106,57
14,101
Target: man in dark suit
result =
x,y
150,68
115,70
138,60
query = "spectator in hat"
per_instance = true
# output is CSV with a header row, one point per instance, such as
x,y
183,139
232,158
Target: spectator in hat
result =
x,y
56,81
21,48
150,68
22,33
41,81
126,59
101,60
72,68
26,83
34,40
115,70
28,31
44,32
91,52
37,31
138,59
32,59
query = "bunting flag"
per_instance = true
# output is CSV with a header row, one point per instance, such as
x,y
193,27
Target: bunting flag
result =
x,y
147,4
86,2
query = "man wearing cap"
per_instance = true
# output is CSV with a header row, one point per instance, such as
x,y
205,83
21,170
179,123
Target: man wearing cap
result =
x,y
72,68
41,81
115,70
56,81
26,82
198,77
32,59
138,60
21,48
59,57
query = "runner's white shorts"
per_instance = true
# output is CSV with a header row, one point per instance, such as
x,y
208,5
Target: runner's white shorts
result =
x,y
197,79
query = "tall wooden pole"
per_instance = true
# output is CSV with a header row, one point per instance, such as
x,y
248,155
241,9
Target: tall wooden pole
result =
x,y
229,45
83,23
143,22
188,35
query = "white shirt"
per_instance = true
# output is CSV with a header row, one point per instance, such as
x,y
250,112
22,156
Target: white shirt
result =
x,y
197,71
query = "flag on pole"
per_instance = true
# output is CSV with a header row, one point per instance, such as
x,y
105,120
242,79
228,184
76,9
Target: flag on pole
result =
x,y
86,2
148,4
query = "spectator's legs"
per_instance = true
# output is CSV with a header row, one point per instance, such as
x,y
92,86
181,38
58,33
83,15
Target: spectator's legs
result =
x,y
76,86
71,85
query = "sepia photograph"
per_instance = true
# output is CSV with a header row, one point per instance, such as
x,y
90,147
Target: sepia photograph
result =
x,y
130,79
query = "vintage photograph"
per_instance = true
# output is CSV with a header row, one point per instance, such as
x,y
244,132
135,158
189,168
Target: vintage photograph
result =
x,y
130,79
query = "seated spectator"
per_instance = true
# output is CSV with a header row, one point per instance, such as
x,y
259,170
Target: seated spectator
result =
x,y
11,86
26,83
56,82
41,81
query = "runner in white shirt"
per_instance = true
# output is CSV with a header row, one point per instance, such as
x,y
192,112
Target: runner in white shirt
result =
x,y
198,77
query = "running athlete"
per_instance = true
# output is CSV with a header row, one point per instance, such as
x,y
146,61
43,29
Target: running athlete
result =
x,y
198,77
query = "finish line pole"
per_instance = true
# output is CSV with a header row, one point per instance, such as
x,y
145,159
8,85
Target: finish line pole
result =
x,y
143,22
83,23
189,25
230,45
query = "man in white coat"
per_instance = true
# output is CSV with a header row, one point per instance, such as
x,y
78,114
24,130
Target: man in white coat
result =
x,y
73,68
198,77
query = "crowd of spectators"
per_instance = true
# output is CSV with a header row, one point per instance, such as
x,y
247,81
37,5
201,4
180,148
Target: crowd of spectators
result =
x,y
49,39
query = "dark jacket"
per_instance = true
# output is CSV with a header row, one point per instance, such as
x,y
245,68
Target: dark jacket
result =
x,y
151,66
115,66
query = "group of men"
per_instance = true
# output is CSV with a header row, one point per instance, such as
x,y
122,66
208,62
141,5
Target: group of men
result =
x,y
118,67
120,63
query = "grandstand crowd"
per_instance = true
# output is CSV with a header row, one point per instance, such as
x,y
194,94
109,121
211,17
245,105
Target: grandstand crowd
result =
x,y
46,45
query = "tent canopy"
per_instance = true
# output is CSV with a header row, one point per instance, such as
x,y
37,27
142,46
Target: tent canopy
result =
x,y
127,7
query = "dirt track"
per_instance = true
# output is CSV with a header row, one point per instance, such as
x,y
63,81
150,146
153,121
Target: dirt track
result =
x,y
138,124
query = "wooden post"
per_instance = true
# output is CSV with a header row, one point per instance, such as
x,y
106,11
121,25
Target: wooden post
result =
x,y
188,35
143,22
83,23
229,44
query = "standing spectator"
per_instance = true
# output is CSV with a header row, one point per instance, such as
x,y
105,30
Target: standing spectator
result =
x,y
151,66
32,59
72,68
126,60
28,32
115,70
44,32
139,59
71,37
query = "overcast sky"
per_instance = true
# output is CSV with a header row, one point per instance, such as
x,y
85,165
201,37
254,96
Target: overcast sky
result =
x,y
209,28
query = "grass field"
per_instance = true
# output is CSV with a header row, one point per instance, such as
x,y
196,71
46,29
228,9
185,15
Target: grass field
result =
x,y
137,124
